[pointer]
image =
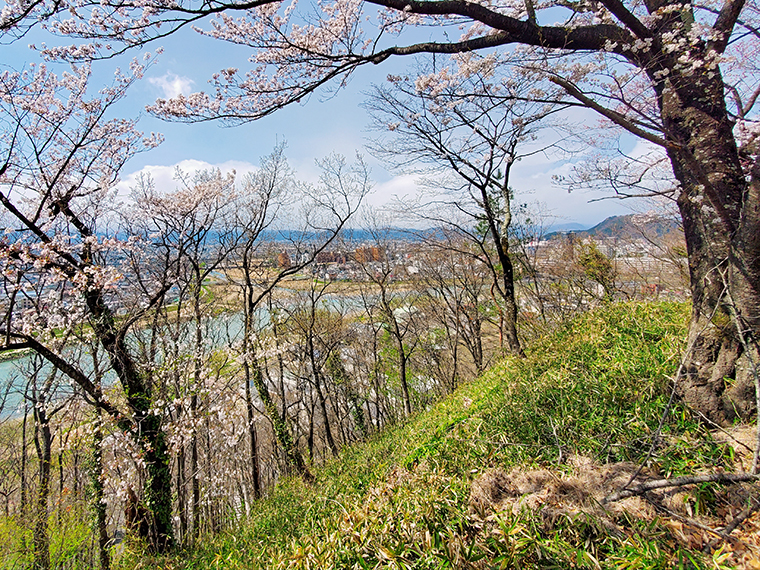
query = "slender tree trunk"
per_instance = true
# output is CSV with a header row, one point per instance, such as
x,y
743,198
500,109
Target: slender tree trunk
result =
x,y
402,375
22,500
398,337
196,488
476,333
43,442
254,454
60,485
341,377
197,383
317,377
325,417
181,494
281,430
98,498
248,316
500,236
508,272
310,436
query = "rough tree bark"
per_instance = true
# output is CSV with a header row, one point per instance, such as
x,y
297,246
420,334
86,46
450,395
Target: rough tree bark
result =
x,y
720,213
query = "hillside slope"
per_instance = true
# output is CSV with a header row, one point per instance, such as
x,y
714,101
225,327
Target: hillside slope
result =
x,y
509,471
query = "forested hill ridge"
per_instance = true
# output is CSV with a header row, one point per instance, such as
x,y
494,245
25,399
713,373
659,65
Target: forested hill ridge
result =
x,y
522,468
629,227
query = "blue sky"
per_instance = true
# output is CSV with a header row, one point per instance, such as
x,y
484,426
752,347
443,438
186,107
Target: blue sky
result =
x,y
323,124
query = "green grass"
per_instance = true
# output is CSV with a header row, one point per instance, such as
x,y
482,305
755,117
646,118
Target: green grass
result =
x,y
69,535
596,388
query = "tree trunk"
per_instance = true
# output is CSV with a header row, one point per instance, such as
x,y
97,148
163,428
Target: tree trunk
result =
x,y
158,496
500,236
22,505
197,387
43,441
254,454
196,488
402,358
322,400
181,495
721,221
146,429
98,498
281,430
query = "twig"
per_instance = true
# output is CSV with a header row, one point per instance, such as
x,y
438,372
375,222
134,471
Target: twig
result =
x,y
675,379
725,432
719,533
689,521
679,482
753,366
556,439
732,526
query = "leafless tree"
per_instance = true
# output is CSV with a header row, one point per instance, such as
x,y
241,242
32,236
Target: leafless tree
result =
x,y
465,139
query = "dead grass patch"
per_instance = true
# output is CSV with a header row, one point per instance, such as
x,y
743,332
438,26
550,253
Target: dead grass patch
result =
x,y
687,513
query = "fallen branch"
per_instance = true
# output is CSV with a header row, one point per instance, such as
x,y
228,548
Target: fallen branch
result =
x,y
731,527
689,521
679,482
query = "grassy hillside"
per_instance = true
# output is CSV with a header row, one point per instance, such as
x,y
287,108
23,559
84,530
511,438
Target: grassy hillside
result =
x,y
509,471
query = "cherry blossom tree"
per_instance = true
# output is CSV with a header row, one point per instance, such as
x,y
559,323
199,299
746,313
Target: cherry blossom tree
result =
x,y
317,215
191,232
680,75
61,154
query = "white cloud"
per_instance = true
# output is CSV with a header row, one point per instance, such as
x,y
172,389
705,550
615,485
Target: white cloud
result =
x,y
165,177
172,84
397,187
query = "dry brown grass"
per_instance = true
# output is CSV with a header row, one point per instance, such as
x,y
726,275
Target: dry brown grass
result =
x,y
580,487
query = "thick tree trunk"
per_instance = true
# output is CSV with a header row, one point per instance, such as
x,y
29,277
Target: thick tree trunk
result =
x,y
721,223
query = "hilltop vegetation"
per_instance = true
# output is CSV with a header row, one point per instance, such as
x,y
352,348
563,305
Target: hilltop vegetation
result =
x,y
149,407
509,471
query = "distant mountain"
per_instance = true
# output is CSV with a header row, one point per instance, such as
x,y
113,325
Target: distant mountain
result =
x,y
349,234
628,227
569,227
